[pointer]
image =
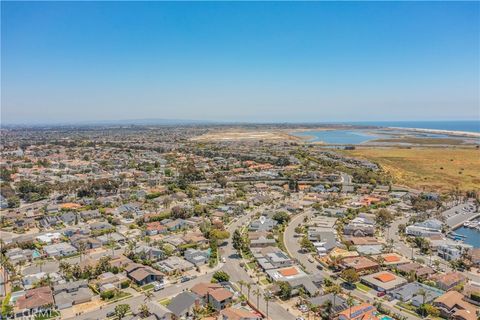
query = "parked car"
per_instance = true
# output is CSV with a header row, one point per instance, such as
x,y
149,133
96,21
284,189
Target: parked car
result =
x,y
380,294
158,286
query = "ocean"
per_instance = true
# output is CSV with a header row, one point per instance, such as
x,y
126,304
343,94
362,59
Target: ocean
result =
x,y
466,126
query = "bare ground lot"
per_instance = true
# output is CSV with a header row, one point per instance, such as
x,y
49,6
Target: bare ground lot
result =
x,y
245,135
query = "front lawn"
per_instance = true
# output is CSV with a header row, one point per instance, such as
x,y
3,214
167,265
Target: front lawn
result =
x,y
165,302
362,287
147,287
47,315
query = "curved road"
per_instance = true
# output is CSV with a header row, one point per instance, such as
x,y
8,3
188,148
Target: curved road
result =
x,y
231,266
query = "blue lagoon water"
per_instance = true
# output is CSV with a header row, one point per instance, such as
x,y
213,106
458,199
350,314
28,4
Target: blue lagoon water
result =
x,y
357,136
472,236
337,136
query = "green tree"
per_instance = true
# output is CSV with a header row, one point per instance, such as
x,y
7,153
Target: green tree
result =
x,y
285,290
144,311
121,310
306,244
221,276
350,275
281,217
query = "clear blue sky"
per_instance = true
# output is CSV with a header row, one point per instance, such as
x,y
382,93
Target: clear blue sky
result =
x,y
332,61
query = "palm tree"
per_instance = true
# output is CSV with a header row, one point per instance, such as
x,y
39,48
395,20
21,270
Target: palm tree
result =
x,y
423,293
267,297
81,249
112,244
326,309
257,292
249,287
40,263
7,265
335,260
350,303
335,290
241,283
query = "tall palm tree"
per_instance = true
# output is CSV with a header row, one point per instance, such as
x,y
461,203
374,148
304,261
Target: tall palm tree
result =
x,y
350,303
249,287
241,283
81,249
6,266
267,297
326,309
423,293
257,292
335,289
112,244
40,263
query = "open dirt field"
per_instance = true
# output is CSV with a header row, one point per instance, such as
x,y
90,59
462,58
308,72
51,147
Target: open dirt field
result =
x,y
245,135
432,169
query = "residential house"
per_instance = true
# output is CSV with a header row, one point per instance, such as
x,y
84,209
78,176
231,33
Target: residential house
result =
x,y
197,257
338,303
111,237
359,312
272,258
154,228
213,293
419,270
61,249
453,251
411,292
107,281
262,224
453,306
173,264
383,281
34,301
90,215
150,253
71,293
359,227
425,229
359,264
183,304
69,218
448,281
18,255
142,275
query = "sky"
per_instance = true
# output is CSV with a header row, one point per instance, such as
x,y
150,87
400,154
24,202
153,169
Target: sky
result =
x,y
68,62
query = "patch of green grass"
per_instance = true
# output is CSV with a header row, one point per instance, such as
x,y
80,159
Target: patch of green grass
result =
x,y
147,287
264,281
120,295
48,315
360,286
165,302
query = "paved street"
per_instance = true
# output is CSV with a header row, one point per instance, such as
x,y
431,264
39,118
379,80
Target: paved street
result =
x,y
231,266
